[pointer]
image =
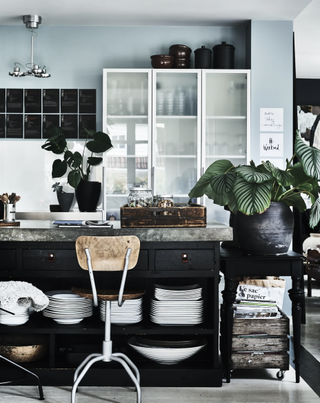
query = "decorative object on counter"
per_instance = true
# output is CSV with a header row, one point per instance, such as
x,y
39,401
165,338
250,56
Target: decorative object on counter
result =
x,y
9,208
223,56
311,247
164,201
250,190
79,165
170,351
65,199
140,197
181,54
202,58
161,61
31,69
24,347
183,215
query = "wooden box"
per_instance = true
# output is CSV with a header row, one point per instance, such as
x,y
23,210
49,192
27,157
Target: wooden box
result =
x,y
260,343
182,215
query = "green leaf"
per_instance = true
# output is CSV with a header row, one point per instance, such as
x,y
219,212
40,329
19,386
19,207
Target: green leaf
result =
x,y
283,178
94,160
216,168
220,200
252,198
309,156
252,174
223,183
295,200
101,142
314,214
74,178
59,168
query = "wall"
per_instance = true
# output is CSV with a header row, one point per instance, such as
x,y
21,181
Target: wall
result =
x,y
75,57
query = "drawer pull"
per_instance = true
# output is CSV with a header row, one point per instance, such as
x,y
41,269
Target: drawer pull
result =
x,y
51,257
184,258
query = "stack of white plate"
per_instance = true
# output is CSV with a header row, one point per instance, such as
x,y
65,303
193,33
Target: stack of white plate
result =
x,y
66,307
176,306
167,352
21,316
130,312
189,292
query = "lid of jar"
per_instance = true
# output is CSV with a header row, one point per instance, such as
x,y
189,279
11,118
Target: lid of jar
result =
x,y
223,45
203,49
165,195
140,188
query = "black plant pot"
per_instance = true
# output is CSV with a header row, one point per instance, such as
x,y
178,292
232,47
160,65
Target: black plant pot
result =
x,y
65,200
87,194
269,233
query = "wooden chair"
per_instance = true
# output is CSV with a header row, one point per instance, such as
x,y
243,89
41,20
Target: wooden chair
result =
x,y
107,253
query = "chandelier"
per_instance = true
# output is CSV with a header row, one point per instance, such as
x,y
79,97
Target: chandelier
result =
x,y
31,69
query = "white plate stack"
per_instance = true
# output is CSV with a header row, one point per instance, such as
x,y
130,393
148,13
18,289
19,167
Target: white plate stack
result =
x,y
21,316
177,305
66,307
129,313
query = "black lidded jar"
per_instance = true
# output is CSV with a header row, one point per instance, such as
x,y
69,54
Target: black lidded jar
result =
x,y
223,56
202,58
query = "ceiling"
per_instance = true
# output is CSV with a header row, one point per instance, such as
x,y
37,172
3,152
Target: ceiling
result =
x,y
304,13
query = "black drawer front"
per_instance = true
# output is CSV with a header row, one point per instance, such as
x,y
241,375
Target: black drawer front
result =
x,y
143,261
56,259
184,259
7,259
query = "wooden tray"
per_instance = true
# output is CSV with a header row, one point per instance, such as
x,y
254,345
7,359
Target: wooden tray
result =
x,y
9,224
182,215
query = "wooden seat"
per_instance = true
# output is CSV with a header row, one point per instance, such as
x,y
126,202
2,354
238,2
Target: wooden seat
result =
x,y
107,253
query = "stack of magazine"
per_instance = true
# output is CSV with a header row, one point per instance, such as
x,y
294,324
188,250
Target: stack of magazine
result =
x,y
250,309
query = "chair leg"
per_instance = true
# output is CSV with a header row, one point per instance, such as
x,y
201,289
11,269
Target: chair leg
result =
x,y
82,374
41,396
130,373
130,363
77,371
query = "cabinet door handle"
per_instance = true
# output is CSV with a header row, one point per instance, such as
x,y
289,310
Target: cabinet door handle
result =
x,y
184,258
51,257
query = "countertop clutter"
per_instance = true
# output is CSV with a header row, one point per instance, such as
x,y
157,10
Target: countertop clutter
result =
x,y
45,231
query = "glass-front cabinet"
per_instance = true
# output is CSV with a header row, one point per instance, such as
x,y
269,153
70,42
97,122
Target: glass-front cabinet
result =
x,y
176,132
127,118
167,126
225,123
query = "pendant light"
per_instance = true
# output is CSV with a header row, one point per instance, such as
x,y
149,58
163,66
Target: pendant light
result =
x,y
34,70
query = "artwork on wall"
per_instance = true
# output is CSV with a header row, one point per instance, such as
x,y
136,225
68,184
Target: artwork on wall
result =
x,y
308,124
29,113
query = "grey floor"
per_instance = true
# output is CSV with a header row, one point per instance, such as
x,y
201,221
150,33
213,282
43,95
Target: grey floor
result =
x,y
259,386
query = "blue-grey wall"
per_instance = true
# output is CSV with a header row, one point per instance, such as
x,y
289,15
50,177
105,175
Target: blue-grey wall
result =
x,y
75,56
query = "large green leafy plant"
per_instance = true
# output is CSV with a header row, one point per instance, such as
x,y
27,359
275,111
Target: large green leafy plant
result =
x,y
251,188
79,164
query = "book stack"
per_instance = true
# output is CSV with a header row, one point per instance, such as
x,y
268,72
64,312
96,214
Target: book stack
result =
x,y
250,309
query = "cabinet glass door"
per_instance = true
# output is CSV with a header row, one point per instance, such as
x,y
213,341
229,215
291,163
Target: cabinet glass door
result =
x,y
176,132
126,115
225,123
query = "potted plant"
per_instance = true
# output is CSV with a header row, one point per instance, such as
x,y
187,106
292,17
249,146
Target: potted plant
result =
x,y
79,165
254,192
65,199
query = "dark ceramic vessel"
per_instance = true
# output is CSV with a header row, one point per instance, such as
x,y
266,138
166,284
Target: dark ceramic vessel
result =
x,y
161,61
181,51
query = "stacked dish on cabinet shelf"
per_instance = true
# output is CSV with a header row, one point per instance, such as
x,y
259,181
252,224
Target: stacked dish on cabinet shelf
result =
x,y
129,313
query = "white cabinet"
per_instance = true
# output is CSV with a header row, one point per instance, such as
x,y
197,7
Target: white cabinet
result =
x,y
168,125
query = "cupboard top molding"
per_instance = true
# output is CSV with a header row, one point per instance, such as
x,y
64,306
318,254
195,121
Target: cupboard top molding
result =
x,y
45,231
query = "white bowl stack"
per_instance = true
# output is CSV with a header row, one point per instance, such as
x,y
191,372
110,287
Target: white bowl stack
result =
x,y
177,305
20,317
66,307
129,313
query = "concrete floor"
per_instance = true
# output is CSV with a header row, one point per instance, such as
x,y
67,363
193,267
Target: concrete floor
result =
x,y
259,386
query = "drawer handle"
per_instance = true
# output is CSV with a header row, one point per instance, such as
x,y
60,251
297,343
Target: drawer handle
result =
x,y
51,257
184,258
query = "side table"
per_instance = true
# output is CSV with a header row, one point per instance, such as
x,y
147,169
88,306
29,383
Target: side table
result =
x,y
233,264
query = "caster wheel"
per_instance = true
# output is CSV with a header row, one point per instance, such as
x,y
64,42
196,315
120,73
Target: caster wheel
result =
x,y
280,375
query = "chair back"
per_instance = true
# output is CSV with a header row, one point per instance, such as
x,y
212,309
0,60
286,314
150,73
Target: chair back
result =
x,y
107,252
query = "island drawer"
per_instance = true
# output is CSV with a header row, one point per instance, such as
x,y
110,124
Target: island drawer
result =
x,y
184,259
7,259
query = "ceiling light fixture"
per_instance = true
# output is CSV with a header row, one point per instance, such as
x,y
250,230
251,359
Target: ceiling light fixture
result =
x,y
33,70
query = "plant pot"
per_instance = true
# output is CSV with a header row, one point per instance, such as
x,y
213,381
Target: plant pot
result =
x,y
269,233
65,200
87,194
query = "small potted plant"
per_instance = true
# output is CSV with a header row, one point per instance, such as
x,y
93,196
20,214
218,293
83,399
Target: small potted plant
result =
x,y
65,199
79,165
264,192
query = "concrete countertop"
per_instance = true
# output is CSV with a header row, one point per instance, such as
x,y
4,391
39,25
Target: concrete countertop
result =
x,y
45,231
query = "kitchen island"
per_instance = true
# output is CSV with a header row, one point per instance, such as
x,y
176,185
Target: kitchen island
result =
x,y
44,255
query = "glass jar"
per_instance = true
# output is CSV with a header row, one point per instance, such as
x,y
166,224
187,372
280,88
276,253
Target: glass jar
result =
x,y
163,201
140,197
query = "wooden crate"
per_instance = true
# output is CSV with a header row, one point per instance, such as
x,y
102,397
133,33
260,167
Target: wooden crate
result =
x,y
257,360
182,215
